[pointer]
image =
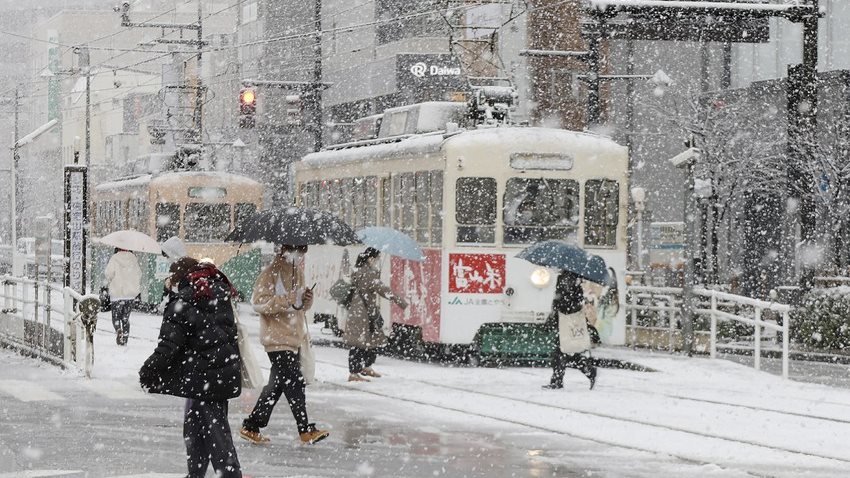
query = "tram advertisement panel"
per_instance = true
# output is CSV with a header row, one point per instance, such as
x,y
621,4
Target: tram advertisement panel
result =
x,y
476,273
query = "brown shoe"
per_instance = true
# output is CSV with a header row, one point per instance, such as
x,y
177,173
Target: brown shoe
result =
x,y
313,436
370,373
357,378
256,438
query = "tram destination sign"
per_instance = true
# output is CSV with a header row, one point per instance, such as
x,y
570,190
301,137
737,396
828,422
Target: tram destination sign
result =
x,y
76,213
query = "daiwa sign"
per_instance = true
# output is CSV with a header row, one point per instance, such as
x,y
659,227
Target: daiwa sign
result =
x,y
421,70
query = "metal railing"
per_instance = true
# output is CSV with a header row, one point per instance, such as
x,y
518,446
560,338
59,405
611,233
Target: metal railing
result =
x,y
49,321
659,309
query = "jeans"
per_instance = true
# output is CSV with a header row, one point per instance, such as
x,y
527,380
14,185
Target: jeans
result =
x,y
121,319
208,439
358,359
285,379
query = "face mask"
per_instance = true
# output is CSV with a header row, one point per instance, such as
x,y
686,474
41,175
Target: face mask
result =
x,y
293,256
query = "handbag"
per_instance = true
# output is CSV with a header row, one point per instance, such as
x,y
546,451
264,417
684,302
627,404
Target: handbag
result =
x,y
572,333
307,357
342,292
105,300
252,375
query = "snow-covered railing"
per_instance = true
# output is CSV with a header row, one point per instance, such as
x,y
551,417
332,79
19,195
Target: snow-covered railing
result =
x,y
47,320
759,306
665,302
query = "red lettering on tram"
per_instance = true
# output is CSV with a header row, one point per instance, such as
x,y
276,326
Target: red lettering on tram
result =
x,y
477,273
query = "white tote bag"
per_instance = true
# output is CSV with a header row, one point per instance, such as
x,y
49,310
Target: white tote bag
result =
x,y
572,332
252,375
307,357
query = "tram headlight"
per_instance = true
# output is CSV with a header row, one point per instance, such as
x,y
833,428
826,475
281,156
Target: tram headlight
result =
x,y
541,277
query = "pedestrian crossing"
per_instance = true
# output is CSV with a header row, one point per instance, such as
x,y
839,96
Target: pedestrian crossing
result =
x,y
31,391
80,474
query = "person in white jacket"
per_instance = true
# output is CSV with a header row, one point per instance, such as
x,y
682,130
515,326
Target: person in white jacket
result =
x,y
123,278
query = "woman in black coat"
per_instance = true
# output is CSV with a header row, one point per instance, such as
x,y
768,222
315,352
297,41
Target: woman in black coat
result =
x,y
569,299
198,358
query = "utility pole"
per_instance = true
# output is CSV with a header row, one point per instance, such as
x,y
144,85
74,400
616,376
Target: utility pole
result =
x,y
15,209
85,66
318,115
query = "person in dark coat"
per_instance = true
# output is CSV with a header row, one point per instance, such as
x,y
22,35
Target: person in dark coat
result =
x,y
362,334
197,358
569,299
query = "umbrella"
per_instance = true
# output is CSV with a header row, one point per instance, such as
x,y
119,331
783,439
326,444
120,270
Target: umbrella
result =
x,y
174,248
132,241
295,227
567,257
391,242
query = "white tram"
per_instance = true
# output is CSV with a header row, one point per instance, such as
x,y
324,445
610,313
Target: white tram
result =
x,y
473,199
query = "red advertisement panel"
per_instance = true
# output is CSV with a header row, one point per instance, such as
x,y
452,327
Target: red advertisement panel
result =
x,y
477,273
419,283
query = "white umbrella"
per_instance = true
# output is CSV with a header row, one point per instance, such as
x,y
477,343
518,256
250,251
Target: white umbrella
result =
x,y
132,241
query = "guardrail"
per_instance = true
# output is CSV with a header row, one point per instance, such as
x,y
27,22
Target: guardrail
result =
x,y
49,321
663,303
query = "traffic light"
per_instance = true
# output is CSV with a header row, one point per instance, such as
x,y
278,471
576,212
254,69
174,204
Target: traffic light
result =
x,y
247,107
294,110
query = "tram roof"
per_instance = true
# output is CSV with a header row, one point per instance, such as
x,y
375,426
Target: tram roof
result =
x,y
432,143
175,177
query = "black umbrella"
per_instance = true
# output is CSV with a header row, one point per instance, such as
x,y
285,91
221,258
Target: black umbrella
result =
x,y
295,227
567,257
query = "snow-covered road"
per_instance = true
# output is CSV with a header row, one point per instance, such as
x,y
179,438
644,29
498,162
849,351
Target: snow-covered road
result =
x,y
690,417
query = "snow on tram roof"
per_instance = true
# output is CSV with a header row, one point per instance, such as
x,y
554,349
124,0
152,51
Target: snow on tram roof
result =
x,y
432,143
176,176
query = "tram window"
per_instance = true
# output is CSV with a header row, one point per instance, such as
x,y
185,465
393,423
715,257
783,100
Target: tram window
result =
x,y
207,222
346,200
167,221
314,192
423,196
324,196
370,210
386,202
358,202
539,209
476,210
436,206
396,204
408,203
243,212
601,212
334,202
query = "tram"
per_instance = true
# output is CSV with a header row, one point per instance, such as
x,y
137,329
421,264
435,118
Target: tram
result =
x,y
200,208
472,199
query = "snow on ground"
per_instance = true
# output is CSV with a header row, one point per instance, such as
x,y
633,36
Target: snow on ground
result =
x,y
722,415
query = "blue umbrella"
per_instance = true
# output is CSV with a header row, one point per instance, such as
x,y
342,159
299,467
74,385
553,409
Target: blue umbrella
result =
x,y
391,242
570,258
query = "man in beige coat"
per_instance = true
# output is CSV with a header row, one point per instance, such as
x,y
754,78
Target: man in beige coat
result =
x,y
362,333
281,299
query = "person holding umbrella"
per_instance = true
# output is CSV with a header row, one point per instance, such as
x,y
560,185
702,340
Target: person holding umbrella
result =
x,y
573,338
576,265
123,279
281,299
364,328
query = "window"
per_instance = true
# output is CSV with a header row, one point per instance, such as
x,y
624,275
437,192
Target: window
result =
x,y
436,207
207,222
167,221
539,209
357,203
423,202
243,212
601,212
346,200
476,210
370,211
207,192
408,23
408,204
324,196
386,202
335,199
138,215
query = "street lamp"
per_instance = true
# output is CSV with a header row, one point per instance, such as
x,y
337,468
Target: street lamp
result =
x,y
639,200
687,160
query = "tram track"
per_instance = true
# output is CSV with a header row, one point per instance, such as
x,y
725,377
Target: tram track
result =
x,y
586,413
729,404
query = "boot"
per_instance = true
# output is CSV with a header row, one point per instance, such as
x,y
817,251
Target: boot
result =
x,y
256,438
591,375
370,373
553,386
312,435
354,377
